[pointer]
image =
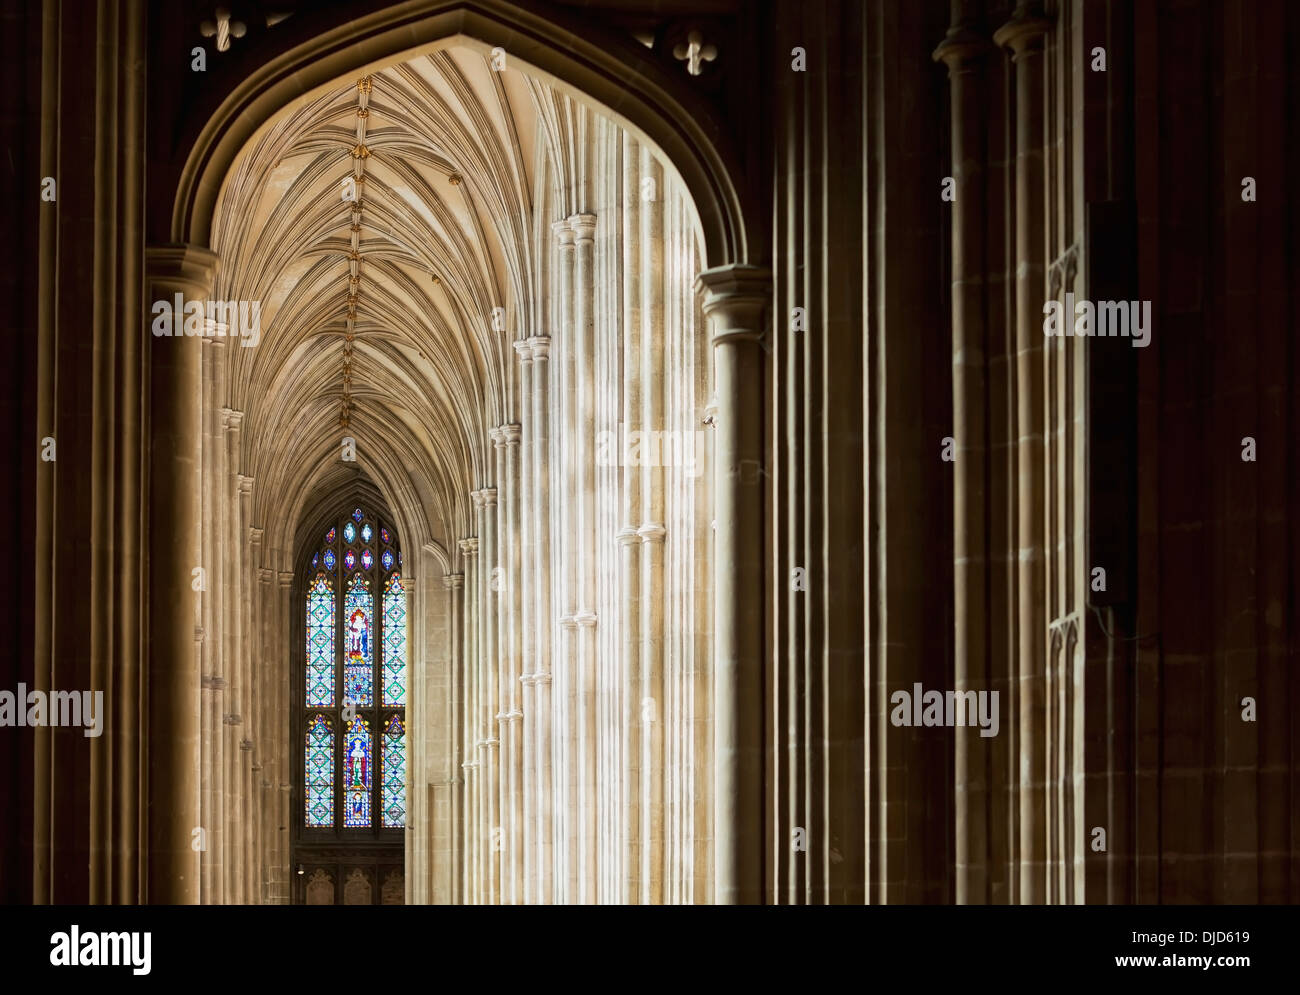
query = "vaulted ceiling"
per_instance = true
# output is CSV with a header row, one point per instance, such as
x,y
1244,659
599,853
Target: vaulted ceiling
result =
x,y
380,223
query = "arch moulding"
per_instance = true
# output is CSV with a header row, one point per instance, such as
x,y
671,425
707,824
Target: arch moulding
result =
x,y
585,59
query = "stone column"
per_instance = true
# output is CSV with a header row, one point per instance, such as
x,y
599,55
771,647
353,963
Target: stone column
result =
x,y
735,299
492,715
511,477
653,710
566,797
287,698
541,579
472,825
963,51
455,585
173,538
524,641
584,229
629,540
248,691
1026,34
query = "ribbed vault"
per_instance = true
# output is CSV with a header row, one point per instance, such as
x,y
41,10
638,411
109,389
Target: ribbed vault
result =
x,y
380,224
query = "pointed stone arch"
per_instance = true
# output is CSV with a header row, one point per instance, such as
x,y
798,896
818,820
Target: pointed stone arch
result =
x,y
579,57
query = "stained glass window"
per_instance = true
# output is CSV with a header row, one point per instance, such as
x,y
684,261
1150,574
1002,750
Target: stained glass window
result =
x,y
394,773
320,643
357,775
358,621
354,682
394,641
320,772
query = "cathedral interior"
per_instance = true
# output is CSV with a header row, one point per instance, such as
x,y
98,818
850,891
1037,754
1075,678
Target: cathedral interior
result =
x,y
847,452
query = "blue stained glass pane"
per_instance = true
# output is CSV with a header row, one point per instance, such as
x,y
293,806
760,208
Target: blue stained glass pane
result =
x,y
349,532
319,772
357,775
320,643
358,619
388,559
357,515
329,537
394,641
350,560
315,558
367,561
394,785
329,559
366,533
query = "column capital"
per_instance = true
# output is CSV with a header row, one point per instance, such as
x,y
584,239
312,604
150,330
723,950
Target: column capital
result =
x,y
244,483
231,419
563,233
626,535
1026,31
961,46
264,575
568,621
524,350
286,578
469,547
453,582
585,617
584,227
652,532
735,297
494,433
488,494
181,264
541,346
510,434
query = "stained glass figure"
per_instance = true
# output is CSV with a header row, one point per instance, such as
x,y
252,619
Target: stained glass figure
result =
x,y
394,785
320,643
394,641
319,772
353,621
358,613
356,775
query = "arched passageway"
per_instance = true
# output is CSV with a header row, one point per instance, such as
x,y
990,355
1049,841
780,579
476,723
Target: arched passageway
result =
x,y
461,286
